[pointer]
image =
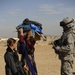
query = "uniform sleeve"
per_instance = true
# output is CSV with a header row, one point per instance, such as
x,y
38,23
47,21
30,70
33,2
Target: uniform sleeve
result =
x,y
70,44
11,64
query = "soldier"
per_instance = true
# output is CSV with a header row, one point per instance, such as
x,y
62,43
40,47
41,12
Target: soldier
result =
x,y
64,46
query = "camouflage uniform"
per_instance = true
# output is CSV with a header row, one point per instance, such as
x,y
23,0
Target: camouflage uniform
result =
x,y
65,49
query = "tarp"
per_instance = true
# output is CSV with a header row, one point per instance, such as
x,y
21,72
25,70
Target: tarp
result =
x,y
28,22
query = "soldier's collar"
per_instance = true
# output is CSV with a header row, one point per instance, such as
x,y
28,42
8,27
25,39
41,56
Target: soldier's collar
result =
x,y
68,31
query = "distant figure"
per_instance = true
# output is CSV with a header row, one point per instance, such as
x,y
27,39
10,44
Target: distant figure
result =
x,y
26,49
64,46
13,66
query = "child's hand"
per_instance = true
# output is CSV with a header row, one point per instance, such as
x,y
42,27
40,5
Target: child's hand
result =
x,y
26,68
21,31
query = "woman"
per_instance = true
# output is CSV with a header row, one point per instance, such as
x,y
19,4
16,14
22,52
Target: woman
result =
x,y
27,50
13,66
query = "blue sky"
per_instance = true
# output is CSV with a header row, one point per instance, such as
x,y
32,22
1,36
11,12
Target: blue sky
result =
x,y
47,12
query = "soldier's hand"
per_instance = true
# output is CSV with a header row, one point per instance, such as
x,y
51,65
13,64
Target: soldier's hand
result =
x,y
57,48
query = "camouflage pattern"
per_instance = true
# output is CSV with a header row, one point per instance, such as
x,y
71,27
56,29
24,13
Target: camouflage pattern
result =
x,y
66,68
65,49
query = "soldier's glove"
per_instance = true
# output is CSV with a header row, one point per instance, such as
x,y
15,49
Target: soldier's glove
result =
x,y
56,49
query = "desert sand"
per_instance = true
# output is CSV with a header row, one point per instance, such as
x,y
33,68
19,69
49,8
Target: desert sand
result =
x,y
47,61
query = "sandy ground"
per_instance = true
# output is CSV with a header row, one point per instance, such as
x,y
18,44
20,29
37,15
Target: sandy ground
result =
x,y
47,61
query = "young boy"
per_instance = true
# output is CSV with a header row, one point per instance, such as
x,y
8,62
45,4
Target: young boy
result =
x,y
13,66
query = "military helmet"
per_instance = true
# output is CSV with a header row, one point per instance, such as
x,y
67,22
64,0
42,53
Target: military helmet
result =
x,y
68,22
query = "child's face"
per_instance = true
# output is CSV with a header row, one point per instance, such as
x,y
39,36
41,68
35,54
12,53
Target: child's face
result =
x,y
14,45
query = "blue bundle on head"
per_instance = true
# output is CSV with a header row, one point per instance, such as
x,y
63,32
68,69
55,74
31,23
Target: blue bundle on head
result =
x,y
30,25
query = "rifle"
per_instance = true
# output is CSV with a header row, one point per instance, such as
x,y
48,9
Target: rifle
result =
x,y
55,44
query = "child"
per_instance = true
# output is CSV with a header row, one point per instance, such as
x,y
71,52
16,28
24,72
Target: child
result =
x,y
13,66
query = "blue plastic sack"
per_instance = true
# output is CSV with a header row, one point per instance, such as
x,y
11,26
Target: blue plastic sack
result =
x,y
35,28
27,27
20,25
